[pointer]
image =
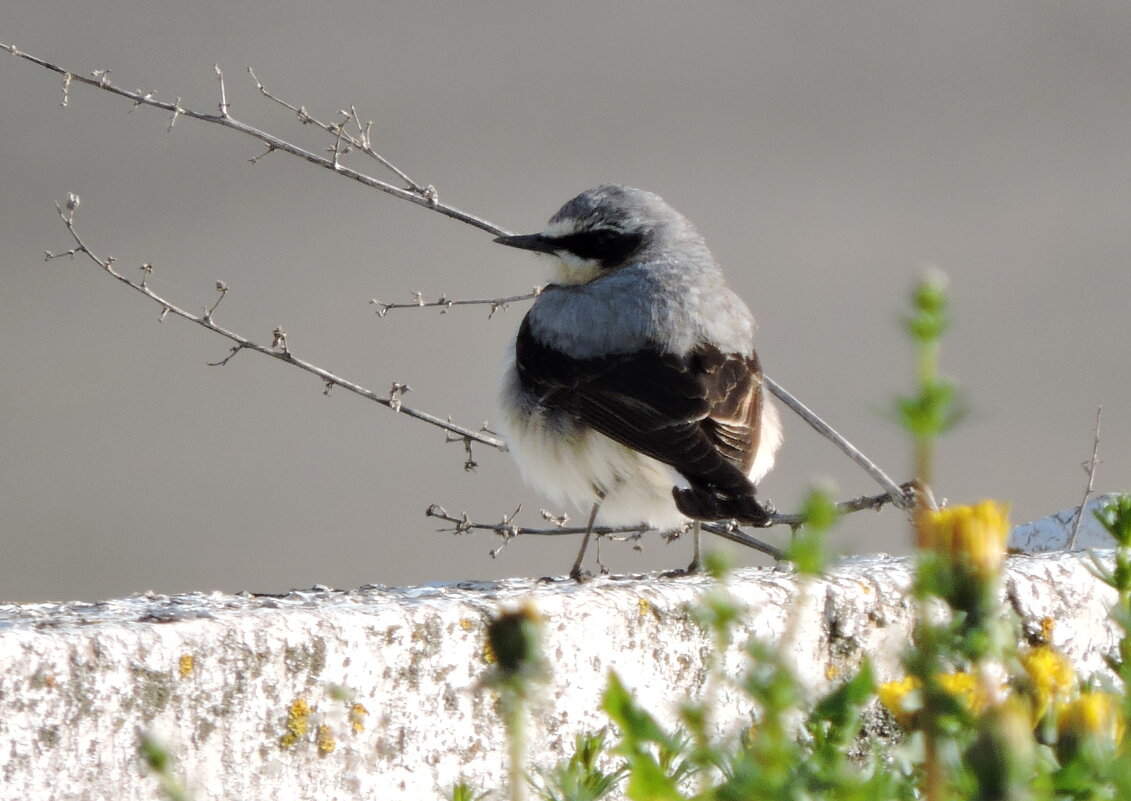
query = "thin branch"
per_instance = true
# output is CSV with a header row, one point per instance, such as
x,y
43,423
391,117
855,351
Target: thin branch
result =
x,y
463,525
221,288
859,504
278,348
443,303
469,464
426,196
223,94
731,531
1090,469
360,141
508,529
900,496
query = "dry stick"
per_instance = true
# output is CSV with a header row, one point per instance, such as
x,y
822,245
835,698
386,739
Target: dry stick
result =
x,y
900,496
443,303
277,350
361,141
508,530
422,196
730,531
1090,469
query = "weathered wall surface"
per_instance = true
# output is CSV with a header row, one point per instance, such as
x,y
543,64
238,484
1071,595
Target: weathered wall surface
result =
x,y
375,693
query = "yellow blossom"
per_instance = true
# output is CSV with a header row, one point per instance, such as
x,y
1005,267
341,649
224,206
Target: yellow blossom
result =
x,y
903,698
1051,676
972,537
966,688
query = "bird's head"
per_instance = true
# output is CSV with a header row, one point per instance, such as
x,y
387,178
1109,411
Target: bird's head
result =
x,y
602,230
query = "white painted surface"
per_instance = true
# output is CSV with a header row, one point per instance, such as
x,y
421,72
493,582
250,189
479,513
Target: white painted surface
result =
x,y
1054,532
78,682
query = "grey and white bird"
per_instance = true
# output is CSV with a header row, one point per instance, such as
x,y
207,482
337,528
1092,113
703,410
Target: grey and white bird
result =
x,y
633,388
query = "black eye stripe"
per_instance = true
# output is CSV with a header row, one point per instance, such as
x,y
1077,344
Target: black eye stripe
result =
x,y
603,245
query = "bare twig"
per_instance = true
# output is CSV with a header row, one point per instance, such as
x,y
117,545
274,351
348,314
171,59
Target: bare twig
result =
x,y
469,464
67,78
1090,469
425,196
279,340
728,530
223,94
221,288
360,141
900,496
397,391
464,525
278,348
421,196
443,303
508,529
858,504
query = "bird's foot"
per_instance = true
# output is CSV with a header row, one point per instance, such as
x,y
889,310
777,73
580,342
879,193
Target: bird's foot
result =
x,y
693,569
579,575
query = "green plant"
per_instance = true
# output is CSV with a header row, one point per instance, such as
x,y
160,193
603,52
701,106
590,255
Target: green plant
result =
x,y
580,778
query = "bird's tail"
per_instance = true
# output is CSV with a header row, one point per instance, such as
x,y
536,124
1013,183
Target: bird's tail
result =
x,y
714,504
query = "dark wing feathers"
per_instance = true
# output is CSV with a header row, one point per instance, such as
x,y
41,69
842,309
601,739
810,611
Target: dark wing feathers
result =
x,y
736,409
700,413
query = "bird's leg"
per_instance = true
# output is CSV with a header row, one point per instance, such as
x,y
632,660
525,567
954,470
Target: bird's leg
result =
x,y
695,565
575,572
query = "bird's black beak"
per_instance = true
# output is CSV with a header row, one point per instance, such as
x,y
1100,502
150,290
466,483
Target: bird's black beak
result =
x,y
536,242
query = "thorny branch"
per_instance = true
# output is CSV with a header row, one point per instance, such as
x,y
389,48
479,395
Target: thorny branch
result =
x,y
351,134
508,529
443,303
361,141
421,196
278,348
415,193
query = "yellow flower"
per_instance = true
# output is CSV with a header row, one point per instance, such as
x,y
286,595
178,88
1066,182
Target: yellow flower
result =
x,y
972,537
1051,676
966,688
904,698
1093,714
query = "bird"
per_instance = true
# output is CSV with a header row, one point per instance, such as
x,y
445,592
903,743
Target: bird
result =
x,y
632,388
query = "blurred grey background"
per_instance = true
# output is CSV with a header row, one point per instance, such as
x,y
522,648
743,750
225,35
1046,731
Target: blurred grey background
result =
x,y
827,151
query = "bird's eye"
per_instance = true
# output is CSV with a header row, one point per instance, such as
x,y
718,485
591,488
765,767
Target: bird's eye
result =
x,y
605,245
